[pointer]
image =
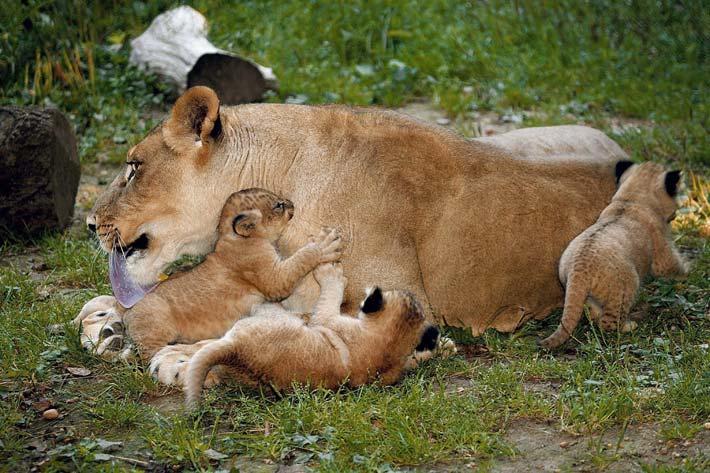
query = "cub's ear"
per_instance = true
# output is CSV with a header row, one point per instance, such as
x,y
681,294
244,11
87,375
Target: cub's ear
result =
x,y
621,168
671,182
373,302
193,120
245,223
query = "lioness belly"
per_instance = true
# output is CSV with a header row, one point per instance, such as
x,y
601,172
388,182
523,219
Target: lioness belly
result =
x,y
491,259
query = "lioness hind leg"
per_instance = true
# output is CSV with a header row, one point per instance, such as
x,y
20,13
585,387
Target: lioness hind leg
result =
x,y
169,365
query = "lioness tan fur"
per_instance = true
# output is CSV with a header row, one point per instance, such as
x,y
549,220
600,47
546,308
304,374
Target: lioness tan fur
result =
x,y
328,350
474,228
606,263
245,269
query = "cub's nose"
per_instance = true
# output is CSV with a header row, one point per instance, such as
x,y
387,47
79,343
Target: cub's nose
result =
x,y
91,223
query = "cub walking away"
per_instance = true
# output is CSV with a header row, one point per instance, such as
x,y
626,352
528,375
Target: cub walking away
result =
x,y
605,265
327,351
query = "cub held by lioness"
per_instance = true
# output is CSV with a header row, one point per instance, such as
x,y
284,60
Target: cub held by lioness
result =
x,y
244,270
605,264
327,350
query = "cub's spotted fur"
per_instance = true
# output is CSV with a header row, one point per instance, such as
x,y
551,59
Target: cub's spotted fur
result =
x,y
245,269
606,263
327,351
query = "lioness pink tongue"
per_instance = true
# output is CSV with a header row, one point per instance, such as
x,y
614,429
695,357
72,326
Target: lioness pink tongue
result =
x,y
126,291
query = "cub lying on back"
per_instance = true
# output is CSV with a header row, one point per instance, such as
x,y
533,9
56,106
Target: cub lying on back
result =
x,y
327,351
245,269
605,265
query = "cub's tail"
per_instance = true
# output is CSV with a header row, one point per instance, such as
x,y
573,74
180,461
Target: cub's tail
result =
x,y
212,354
575,296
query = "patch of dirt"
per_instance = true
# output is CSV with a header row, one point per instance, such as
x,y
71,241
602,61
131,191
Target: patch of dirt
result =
x,y
478,124
168,404
541,447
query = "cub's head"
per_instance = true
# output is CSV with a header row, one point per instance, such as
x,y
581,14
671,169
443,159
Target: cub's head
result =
x,y
166,200
399,317
649,184
255,213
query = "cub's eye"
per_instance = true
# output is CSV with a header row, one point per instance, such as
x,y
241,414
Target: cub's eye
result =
x,y
132,169
279,207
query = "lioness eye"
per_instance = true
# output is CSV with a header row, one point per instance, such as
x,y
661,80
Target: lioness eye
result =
x,y
131,170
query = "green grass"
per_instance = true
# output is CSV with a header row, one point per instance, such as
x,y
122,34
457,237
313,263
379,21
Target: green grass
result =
x,y
451,411
644,63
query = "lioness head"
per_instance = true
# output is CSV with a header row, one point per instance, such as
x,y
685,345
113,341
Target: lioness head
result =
x,y
255,213
399,315
649,184
161,205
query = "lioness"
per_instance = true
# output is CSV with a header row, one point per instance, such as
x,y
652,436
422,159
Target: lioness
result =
x,y
244,270
606,263
473,227
328,350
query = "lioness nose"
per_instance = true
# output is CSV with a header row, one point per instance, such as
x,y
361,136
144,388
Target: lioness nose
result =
x,y
91,223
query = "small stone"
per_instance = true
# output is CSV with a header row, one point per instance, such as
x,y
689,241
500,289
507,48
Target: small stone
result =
x,y
706,425
102,457
214,454
443,121
78,371
109,446
564,444
50,414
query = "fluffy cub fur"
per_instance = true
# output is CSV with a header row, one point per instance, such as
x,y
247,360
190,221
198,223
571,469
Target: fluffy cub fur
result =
x,y
245,269
327,350
605,265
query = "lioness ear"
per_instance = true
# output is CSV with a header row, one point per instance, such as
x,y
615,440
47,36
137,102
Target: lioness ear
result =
x,y
621,168
245,223
194,121
373,302
671,182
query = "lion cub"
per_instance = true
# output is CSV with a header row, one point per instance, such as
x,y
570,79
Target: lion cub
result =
x,y
328,350
245,269
605,265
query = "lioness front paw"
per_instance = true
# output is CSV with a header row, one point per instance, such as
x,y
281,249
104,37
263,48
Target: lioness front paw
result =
x,y
330,273
169,365
330,245
102,330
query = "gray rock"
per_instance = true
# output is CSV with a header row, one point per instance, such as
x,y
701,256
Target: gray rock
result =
x,y
39,170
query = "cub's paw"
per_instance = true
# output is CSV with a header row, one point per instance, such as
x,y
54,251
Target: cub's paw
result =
x,y
330,244
330,273
169,365
445,348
